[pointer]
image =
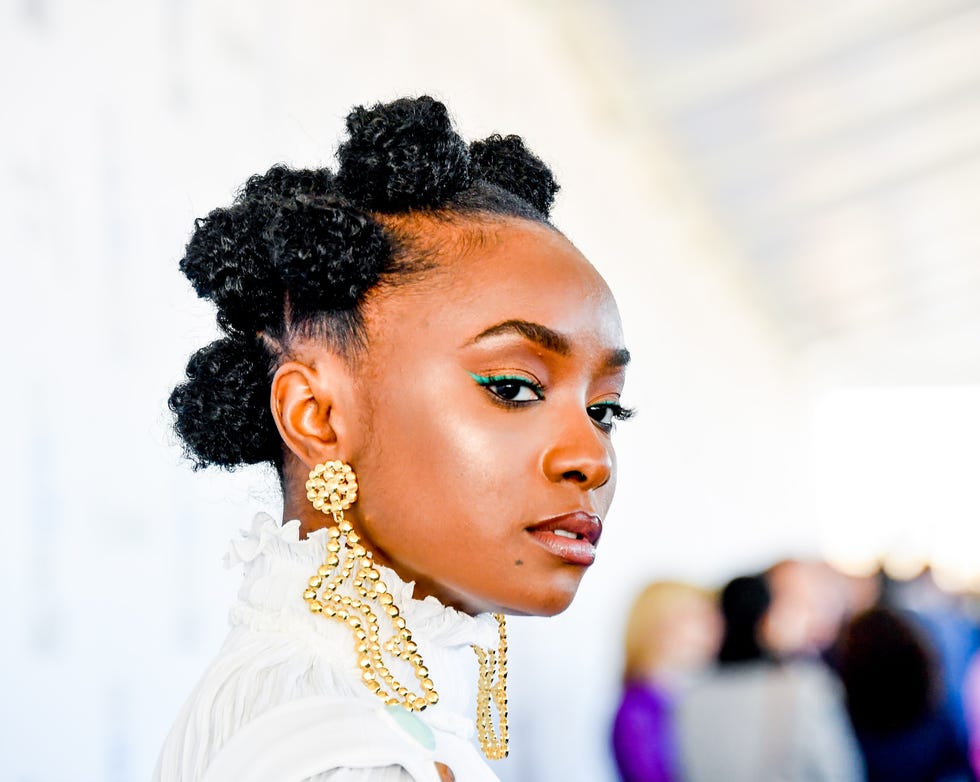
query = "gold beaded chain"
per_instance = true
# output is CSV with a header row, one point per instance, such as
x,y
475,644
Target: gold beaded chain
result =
x,y
494,746
332,488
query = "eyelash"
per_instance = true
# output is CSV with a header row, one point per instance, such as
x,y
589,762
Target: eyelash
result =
x,y
619,413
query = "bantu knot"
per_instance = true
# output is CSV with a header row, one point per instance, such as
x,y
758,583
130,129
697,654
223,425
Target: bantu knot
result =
x,y
402,155
284,182
506,162
328,254
227,261
221,411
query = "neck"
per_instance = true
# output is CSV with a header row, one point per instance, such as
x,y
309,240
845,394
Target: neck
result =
x,y
296,506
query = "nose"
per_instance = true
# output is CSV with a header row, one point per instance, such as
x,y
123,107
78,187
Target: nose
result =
x,y
580,454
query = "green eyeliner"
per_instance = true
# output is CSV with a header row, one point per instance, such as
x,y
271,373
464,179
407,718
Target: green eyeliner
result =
x,y
485,380
489,381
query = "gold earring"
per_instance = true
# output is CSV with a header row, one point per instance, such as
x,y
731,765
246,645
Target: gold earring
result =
x,y
332,488
494,746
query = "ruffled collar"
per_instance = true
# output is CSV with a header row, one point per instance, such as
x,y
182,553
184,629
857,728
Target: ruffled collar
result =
x,y
439,623
277,566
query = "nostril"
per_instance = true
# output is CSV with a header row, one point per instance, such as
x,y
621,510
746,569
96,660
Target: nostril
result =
x,y
575,475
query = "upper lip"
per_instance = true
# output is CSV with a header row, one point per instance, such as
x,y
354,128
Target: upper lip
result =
x,y
581,522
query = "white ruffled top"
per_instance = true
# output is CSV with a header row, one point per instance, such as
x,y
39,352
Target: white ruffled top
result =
x,y
278,652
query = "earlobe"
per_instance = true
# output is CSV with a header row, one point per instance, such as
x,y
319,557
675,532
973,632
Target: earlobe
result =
x,y
305,405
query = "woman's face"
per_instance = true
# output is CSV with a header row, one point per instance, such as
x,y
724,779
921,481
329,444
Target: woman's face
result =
x,y
486,398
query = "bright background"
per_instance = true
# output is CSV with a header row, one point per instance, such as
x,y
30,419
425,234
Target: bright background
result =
x,y
784,196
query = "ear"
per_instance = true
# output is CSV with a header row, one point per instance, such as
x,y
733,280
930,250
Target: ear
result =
x,y
310,407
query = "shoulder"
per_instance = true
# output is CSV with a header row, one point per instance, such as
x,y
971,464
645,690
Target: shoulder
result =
x,y
641,704
300,739
255,673
310,736
813,681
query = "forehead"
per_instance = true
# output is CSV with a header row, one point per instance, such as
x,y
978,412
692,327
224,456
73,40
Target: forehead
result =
x,y
511,270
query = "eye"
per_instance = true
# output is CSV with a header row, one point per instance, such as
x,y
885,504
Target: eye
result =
x,y
605,414
512,389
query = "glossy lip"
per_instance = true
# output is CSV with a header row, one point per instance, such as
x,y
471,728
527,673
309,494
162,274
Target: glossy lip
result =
x,y
574,551
588,525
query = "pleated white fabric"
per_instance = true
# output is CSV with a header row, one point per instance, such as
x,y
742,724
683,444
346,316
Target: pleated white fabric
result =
x,y
278,653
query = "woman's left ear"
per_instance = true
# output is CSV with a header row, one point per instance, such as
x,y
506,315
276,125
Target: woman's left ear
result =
x,y
311,405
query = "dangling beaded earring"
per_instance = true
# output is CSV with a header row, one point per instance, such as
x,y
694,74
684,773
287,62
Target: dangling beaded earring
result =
x,y
332,488
494,746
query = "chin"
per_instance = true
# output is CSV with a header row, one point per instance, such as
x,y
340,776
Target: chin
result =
x,y
547,601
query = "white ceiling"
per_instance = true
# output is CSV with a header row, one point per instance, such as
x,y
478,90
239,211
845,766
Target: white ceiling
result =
x,y
838,144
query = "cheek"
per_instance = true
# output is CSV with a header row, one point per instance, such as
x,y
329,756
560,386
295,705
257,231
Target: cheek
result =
x,y
431,454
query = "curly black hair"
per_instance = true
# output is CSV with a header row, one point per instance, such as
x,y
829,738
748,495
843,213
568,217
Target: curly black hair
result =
x,y
297,251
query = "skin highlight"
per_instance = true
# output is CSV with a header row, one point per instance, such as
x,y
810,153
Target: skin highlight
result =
x,y
482,405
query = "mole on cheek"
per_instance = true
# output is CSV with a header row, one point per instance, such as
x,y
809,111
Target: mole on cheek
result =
x,y
519,562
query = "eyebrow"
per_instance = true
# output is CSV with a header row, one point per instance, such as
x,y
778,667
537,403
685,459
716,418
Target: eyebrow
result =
x,y
618,358
548,339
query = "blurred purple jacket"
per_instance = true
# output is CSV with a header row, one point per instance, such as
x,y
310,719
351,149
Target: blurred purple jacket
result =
x,y
643,736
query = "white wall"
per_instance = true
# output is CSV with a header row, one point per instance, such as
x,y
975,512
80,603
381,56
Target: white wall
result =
x,y
123,122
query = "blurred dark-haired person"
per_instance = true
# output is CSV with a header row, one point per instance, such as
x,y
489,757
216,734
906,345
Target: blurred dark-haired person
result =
x,y
950,632
757,718
895,699
672,634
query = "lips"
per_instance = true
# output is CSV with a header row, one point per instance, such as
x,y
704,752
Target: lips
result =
x,y
571,536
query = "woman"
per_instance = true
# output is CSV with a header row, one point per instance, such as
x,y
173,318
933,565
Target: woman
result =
x,y
673,633
435,371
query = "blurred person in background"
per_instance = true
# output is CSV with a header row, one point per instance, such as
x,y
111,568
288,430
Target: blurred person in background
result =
x,y
949,631
970,696
673,632
808,609
755,717
895,699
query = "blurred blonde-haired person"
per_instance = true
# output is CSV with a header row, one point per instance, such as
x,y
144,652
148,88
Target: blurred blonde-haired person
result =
x,y
674,631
